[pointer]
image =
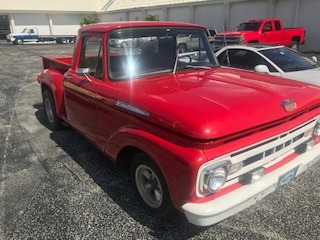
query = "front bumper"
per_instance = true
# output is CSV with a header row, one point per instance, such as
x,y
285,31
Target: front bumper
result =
x,y
10,40
208,213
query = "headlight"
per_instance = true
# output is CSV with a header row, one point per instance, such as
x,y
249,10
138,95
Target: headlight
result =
x,y
241,39
213,177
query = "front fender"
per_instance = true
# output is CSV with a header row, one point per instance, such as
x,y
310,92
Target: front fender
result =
x,y
179,163
53,80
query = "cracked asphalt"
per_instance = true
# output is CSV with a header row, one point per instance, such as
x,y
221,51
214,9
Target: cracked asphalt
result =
x,y
56,185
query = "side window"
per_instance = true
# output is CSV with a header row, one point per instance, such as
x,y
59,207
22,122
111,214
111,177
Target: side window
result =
x,y
258,60
277,25
31,31
267,27
91,55
223,58
243,59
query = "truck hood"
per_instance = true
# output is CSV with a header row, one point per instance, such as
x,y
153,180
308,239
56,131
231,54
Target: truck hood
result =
x,y
210,104
233,34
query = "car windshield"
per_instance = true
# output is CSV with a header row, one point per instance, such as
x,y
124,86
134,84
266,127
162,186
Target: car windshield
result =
x,y
137,52
289,60
248,26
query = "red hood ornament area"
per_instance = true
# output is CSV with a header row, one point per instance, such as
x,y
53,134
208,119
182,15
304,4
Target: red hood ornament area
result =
x,y
289,105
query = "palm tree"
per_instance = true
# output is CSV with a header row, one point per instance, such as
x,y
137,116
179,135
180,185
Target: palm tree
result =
x,y
151,17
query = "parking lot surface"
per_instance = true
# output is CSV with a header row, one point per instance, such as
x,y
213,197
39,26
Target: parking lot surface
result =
x,y
56,185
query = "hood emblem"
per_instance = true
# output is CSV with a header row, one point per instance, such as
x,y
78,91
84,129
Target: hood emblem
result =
x,y
289,105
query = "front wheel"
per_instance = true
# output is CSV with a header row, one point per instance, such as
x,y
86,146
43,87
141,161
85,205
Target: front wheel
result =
x,y
18,42
150,186
54,122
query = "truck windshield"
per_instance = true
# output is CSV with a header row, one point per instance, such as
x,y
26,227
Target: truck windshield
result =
x,y
248,26
133,53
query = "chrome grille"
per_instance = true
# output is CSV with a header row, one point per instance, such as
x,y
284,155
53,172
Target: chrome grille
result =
x,y
267,151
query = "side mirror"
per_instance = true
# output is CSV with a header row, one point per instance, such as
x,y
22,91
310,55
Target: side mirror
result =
x,y
314,58
261,69
82,71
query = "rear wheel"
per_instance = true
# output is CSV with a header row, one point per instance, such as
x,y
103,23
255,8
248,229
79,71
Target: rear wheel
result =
x,y
63,40
54,122
294,45
150,186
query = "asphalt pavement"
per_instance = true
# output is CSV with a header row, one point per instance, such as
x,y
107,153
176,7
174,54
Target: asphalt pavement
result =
x,y
56,185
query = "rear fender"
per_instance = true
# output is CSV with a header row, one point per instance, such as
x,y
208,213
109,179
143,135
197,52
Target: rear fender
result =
x,y
53,80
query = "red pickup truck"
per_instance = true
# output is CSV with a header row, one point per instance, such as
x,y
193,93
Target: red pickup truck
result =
x,y
268,31
199,138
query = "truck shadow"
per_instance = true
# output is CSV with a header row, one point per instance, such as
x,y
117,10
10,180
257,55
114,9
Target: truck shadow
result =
x,y
115,181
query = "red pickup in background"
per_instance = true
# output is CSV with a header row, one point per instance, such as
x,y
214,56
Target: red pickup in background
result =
x,y
268,31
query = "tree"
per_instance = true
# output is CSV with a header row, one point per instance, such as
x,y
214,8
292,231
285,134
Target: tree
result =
x,y
88,20
151,17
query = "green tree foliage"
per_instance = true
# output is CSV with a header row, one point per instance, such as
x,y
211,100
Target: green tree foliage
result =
x,y
151,17
88,20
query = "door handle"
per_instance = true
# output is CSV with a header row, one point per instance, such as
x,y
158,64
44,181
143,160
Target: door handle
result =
x,y
67,76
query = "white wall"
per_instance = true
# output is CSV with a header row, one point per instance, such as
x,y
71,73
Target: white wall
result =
x,y
65,24
217,14
285,10
111,17
241,11
135,16
179,14
23,20
210,16
309,17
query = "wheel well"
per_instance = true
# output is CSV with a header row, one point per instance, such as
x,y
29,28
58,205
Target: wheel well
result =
x,y
296,38
44,87
126,155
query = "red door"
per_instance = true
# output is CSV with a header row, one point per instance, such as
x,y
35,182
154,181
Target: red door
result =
x,y
80,90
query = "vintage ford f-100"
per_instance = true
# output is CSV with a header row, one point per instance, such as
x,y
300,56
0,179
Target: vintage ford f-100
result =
x,y
199,138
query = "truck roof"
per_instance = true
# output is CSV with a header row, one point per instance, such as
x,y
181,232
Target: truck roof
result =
x,y
260,20
109,26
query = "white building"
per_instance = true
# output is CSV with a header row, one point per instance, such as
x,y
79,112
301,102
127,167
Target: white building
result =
x,y
63,17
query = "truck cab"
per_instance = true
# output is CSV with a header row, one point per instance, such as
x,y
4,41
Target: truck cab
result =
x,y
27,34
